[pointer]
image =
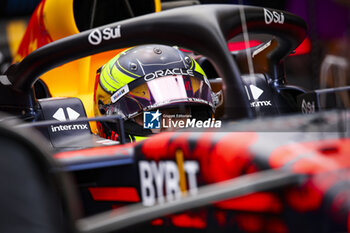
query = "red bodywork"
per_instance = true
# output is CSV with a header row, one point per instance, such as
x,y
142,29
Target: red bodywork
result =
x,y
224,156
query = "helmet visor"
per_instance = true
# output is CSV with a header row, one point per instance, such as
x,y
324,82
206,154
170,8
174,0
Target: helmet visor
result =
x,y
161,92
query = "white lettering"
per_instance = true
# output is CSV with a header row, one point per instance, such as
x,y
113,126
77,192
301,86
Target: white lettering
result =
x,y
192,168
172,178
181,124
193,123
160,182
206,124
217,124
161,73
168,72
96,36
261,103
164,124
107,33
149,77
189,72
307,107
147,190
199,124
158,174
190,123
177,71
68,127
273,16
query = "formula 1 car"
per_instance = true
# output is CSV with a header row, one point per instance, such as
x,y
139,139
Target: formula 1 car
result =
x,y
272,174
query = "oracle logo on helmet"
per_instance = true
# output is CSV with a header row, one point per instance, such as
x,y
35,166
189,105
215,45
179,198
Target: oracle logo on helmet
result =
x,y
167,72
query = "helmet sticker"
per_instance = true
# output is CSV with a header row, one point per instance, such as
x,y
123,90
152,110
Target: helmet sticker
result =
x,y
120,93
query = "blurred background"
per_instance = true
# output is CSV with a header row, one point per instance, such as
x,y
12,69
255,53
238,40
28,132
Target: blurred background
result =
x,y
325,50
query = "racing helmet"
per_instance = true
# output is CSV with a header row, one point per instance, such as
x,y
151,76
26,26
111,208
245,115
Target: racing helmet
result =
x,y
147,78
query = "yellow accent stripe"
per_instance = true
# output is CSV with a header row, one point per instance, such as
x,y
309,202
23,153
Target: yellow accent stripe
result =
x,y
192,64
105,82
199,69
112,78
110,73
127,70
15,31
122,78
180,163
139,138
112,61
158,6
